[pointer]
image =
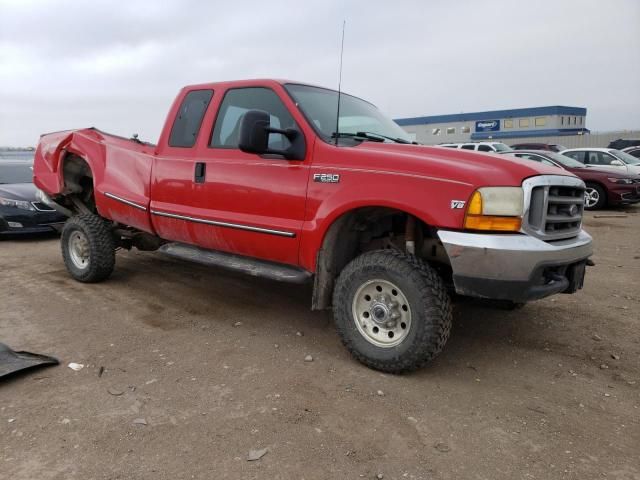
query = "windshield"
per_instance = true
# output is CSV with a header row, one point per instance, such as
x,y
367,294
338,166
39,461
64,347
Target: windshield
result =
x,y
625,157
16,173
564,160
501,147
319,106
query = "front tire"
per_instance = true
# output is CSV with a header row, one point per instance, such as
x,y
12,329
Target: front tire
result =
x,y
595,198
88,248
392,311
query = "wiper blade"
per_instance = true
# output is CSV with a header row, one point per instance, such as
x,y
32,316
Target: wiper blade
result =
x,y
373,136
359,135
379,135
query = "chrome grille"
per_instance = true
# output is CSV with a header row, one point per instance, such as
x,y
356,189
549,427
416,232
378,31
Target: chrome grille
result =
x,y
554,206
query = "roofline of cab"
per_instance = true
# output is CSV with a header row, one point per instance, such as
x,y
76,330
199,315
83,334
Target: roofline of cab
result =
x,y
246,83
262,82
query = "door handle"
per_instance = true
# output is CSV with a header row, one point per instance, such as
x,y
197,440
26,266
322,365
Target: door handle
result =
x,y
200,173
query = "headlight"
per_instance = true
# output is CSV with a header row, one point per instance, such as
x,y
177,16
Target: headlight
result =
x,y
9,202
495,208
623,181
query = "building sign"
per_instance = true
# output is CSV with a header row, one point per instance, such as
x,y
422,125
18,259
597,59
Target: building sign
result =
x,y
488,126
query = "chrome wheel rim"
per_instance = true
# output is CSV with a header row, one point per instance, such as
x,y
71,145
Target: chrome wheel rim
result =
x,y
591,197
79,250
381,313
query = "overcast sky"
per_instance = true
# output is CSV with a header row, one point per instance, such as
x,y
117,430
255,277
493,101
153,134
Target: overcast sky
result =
x,y
118,65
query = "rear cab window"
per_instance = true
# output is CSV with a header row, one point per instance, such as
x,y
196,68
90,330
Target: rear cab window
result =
x,y
186,125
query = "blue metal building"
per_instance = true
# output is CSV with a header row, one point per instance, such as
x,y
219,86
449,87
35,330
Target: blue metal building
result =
x,y
518,123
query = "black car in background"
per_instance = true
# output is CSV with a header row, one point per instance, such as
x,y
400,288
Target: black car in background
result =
x,y
620,143
20,211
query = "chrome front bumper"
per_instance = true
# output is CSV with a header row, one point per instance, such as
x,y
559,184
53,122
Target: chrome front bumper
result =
x,y
515,267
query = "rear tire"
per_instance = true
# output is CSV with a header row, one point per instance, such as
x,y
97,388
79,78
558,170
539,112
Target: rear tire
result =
x,y
392,311
595,197
88,248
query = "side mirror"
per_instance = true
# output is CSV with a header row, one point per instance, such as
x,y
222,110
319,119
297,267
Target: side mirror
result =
x,y
255,128
617,163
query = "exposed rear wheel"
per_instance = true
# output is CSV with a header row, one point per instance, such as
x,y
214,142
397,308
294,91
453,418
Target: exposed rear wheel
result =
x,y
88,248
392,311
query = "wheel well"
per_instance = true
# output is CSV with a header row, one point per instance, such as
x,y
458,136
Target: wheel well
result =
x,y
595,182
365,229
78,184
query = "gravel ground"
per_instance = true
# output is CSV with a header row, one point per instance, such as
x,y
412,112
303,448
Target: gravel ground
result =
x,y
201,367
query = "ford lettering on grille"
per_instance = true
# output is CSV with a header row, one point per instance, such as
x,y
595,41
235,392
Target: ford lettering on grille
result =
x,y
555,206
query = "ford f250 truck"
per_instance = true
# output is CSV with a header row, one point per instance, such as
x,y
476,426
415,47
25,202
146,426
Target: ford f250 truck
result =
x,y
265,177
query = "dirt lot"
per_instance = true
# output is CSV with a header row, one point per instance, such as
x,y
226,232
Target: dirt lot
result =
x,y
214,364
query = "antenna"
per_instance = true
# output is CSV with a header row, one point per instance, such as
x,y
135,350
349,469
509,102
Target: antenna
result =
x,y
340,85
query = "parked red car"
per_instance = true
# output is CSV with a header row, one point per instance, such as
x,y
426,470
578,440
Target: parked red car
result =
x,y
261,176
605,186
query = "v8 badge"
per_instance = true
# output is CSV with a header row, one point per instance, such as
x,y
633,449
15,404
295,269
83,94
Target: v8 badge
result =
x,y
457,204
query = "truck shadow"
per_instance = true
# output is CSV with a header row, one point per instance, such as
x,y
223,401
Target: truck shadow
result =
x,y
28,237
218,297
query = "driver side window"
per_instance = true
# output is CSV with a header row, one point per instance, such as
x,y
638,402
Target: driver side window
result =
x,y
600,158
226,131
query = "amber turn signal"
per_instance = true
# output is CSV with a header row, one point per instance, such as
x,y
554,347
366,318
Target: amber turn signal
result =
x,y
475,204
485,222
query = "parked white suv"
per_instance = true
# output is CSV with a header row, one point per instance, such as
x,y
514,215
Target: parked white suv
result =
x,y
479,146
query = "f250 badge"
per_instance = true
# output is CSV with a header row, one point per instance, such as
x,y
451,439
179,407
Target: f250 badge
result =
x,y
457,204
326,177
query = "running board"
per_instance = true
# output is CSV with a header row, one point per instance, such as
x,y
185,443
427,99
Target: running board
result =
x,y
248,265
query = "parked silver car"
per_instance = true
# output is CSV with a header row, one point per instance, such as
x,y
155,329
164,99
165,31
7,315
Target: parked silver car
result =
x,y
611,158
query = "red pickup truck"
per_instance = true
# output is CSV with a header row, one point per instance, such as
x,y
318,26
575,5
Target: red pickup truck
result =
x,y
265,177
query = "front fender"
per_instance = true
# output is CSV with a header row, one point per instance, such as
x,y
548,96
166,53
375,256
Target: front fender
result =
x,y
428,199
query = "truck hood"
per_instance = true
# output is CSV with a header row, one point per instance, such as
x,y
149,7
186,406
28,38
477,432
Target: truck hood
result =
x,y
466,166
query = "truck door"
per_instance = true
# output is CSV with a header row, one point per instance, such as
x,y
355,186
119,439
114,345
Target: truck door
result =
x,y
239,202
